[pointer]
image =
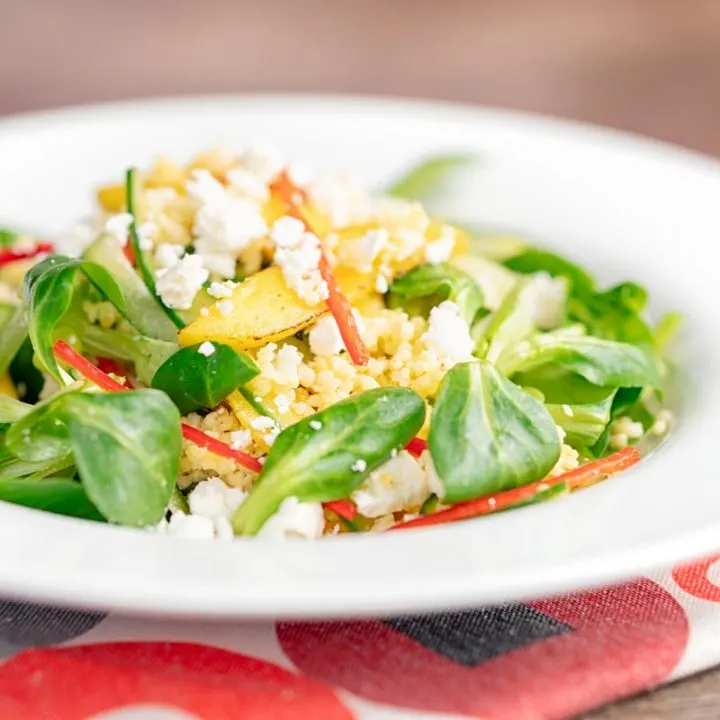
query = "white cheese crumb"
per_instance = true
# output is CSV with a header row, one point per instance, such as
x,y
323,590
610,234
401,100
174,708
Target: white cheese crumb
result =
x,y
325,339
263,160
206,349
248,184
298,254
204,312
213,499
448,335
315,425
224,224
117,227
545,298
271,436
224,307
167,255
221,290
282,402
399,484
361,252
145,233
568,410
178,285
240,439
381,284
359,465
440,250
195,527
262,422
295,520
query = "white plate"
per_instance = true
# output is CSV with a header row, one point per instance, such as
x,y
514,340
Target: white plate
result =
x,y
626,207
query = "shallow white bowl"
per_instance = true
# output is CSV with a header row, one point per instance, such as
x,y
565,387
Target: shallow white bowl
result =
x,y
626,207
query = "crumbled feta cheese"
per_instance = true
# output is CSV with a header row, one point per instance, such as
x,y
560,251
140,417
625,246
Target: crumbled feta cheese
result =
x,y
409,242
206,349
263,160
213,499
145,233
361,252
240,439
167,255
448,335
381,284
195,527
359,465
434,483
221,290
271,436
178,285
336,195
262,422
282,402
401,483
325,338
281,366
117,227
225,307
224,225
299,175
315,425
440,250
298,254
545,298
248,184
295,520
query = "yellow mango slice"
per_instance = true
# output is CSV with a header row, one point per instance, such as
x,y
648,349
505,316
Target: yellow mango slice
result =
x,y
6,386
264,309
112,198
245,414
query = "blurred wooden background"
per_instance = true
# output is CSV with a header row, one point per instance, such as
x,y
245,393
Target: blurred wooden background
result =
x,y
647,65
651,66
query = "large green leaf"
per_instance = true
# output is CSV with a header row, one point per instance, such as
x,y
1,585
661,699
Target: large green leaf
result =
x,y
327,455
487,434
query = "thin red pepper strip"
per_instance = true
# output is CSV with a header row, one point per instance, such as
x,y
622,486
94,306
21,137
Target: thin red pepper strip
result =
x,y
112,367
580,477
416,446
10,256
65,353
344,508
337,303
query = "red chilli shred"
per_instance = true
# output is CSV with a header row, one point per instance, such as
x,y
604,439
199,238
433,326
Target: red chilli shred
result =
x,y
67,355
580,477
344,508
9,255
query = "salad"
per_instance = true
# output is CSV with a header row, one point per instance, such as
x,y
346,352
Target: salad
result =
x,y
239,347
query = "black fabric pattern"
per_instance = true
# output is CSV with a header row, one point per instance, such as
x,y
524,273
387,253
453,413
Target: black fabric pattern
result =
x,y
472,637
24,625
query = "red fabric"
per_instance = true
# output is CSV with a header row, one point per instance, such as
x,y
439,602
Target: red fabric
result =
x,y
75,682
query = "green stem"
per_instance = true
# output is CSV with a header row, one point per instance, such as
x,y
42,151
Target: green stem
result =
x,y
140,262
258,406
262,502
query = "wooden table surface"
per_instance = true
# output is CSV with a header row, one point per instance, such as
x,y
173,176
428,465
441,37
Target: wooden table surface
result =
x,y
651,66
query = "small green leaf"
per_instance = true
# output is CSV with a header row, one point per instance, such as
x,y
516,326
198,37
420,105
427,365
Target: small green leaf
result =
x,y
327,455
60,495
13,330
601,362
428,285
533,260
488,435
12,410
583,424
40,436
428,178
195,381
127,450
49,289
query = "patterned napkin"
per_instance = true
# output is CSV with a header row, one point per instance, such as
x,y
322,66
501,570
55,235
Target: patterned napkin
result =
x,y
522,661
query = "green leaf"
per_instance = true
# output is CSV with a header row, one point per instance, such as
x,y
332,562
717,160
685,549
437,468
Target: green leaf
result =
x,y
601,362
13,330
429,178
488,435
145,272
195,381
40,436
24,373
583,424
327,455
60,495
49,289
666,330
12,409
533,260
8,237
127,450
426,286
142,309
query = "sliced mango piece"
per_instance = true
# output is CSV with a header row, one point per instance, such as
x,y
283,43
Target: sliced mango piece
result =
x,y
245,414
264,309
6,386
112,198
